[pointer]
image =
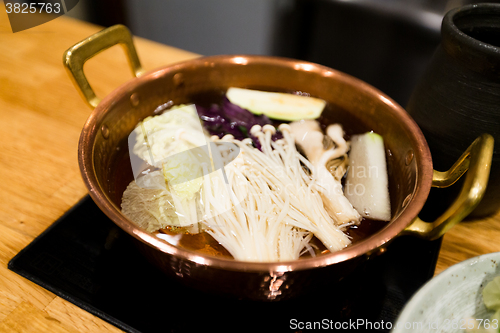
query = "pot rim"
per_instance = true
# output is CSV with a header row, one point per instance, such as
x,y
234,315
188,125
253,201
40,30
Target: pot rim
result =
x,y
476,54
364,247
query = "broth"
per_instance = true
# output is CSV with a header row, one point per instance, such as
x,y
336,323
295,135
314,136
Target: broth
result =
x,y
205,243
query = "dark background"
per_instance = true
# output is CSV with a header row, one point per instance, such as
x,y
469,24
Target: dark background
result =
x,y
386,43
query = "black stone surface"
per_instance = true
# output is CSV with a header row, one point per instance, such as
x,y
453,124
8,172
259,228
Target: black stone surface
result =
x,y
84,258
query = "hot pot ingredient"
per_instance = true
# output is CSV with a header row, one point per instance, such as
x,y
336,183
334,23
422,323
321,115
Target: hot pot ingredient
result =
x,y
229,118
310,138
161,139
167,142
281,106
150,208
367,185
279,203
268,211
265,205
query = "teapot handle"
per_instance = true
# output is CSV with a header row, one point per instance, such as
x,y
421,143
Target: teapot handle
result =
x,y
475,162
75,57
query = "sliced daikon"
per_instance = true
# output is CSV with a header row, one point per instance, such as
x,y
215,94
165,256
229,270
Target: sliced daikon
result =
x,y
367,185
280,106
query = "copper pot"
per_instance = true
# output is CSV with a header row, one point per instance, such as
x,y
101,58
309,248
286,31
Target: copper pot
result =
x,y
411,175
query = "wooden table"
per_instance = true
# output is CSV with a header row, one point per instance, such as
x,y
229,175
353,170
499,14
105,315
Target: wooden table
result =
x,y
41,116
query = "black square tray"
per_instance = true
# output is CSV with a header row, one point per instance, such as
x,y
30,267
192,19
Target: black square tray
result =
x,y
84,258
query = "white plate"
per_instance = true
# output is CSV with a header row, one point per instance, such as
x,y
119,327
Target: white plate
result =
x,y
450,300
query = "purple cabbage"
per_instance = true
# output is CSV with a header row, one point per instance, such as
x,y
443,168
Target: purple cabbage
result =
x,y
228,118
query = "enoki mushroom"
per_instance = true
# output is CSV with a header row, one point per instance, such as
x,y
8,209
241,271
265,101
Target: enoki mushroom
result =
x,y
272,205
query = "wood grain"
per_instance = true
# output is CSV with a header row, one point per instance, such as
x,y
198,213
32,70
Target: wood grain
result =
x,y
28,319
469,239
76,318
41,116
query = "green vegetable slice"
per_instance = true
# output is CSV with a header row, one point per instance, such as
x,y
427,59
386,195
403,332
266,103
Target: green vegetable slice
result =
x,y
491,294
281,106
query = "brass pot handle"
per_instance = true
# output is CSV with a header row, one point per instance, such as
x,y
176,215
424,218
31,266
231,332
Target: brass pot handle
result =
x,y
476,161
78,54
